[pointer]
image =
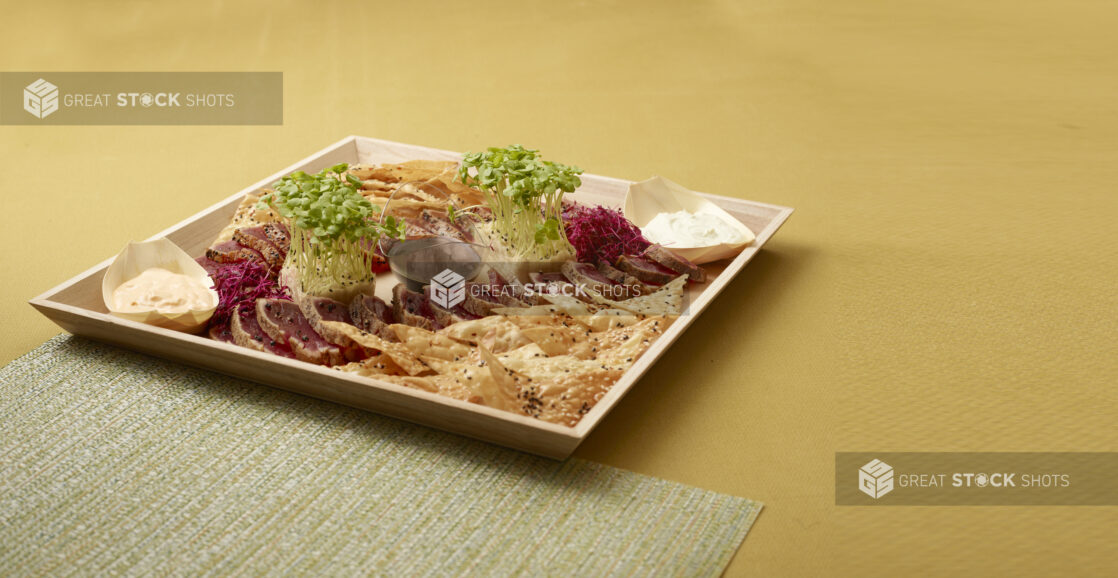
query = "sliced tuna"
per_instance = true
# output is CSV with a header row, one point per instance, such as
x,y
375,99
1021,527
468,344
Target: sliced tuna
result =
x,y
646,270
633,287
587,276
446,316
234,252
372,315
254,238
284,322
481,299
438,222
411,308
319,309
211,266
278,234
246,332
511,293
221,333
676,263
557,284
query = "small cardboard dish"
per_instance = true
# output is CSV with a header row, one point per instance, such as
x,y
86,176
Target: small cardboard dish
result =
x,y
137,257
650,197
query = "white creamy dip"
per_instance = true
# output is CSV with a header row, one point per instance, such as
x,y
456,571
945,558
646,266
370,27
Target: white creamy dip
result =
x,y
684,229
163,291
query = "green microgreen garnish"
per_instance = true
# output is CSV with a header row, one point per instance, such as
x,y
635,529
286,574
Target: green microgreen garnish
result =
x,y
525,194
334,229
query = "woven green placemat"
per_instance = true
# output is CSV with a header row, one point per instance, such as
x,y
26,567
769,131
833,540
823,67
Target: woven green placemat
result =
x,y
113,462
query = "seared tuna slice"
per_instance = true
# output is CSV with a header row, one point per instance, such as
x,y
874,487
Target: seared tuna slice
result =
x,y
284,322
616,275
411,308
372,315
646,270
209,265
234,252
246,332
481,299
278,235
438,222
675,263
635,285
319,309
446,316
511,293
414,229
221,333
557,284
255,239
587,276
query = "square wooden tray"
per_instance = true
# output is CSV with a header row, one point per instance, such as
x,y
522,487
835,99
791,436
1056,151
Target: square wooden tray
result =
x,y
77,307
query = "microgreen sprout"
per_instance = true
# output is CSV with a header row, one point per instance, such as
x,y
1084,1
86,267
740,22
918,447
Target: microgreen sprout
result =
x,y
525,194
334,229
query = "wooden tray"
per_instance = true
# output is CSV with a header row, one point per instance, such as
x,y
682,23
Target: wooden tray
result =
x,y
77,307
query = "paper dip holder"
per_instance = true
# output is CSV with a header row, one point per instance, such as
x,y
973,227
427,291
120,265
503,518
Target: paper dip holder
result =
x,y
651,197
138,257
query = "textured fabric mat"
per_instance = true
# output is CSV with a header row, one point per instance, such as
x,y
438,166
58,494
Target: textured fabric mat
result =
x,y
112,462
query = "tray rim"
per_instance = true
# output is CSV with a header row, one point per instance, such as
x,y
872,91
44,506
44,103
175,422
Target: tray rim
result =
x,y
567,437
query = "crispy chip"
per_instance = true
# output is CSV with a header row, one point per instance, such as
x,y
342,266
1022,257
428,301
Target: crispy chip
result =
x,y
427,343
524,353
247,215
667,300
408,361
377,365
622,346
607,319
560,340
474,329
570,305
440,384
561,389
494,332
479,380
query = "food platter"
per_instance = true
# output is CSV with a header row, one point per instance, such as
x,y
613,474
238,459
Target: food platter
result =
x,y
78,306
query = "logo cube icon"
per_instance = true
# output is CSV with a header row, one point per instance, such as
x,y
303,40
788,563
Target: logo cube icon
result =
x,y
875,479
40,98
448,289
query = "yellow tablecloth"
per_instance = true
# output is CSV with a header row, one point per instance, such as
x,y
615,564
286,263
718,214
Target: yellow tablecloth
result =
x,y
947,283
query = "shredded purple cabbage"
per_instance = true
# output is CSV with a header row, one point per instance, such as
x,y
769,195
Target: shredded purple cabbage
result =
x,y
238,286
601,234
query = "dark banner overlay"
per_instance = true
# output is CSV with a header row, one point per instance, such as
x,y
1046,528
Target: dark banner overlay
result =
x,y
141,98
976,479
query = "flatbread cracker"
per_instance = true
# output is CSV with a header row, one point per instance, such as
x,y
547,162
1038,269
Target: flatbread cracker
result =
x,y
562,389
440,384
247,215
377,365
479,380
408,361
560,339
607,319
570,305
667,300
428,343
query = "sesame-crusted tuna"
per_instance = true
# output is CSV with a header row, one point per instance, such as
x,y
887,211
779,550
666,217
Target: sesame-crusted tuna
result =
x,y
284,322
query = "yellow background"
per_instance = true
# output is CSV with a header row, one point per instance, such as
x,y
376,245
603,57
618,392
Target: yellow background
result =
x,y
947,282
